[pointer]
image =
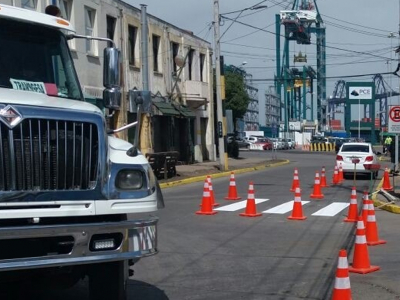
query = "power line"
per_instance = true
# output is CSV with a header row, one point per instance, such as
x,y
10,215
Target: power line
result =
x,y
337,48
332,77
333,64
250,33
363,26
244,9
379,35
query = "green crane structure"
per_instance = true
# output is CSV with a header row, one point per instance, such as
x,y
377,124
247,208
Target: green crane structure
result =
x,y
299,23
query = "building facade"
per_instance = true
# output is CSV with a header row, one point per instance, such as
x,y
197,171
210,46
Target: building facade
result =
x,y
272,108
251,118
250,121
179,66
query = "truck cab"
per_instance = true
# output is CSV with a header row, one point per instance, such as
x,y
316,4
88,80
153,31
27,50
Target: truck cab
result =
x,y
75,200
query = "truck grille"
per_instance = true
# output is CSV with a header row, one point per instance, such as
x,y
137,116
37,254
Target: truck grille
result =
x,y
48,155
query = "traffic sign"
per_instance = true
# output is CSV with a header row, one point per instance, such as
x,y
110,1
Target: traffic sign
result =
x,y
274,129
360,92
394,119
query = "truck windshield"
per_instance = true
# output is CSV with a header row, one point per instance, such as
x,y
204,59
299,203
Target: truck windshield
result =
x,y
36,59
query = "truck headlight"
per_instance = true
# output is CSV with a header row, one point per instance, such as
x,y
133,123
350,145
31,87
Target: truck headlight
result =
x,y
129,180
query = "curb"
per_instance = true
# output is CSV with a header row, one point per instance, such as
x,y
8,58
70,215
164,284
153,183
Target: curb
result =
x,y
222,174
383,205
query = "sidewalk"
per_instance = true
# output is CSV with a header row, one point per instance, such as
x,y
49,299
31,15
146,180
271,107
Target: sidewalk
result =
x,y
197,172
388,200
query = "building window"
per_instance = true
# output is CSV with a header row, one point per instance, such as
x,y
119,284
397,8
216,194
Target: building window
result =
x,y
111,29
202,61
90,15
132,37
156,51
174,52
29,4
65,8
190,63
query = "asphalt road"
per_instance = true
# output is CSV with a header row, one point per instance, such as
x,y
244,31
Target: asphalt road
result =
x,y
226,256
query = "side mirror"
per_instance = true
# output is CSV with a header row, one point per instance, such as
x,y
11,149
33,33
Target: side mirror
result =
x,y
111,78
112,98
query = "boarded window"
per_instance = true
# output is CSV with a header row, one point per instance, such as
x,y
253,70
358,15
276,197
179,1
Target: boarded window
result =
x,y
202,61
190,63
111,29
174,52
156,51
132,37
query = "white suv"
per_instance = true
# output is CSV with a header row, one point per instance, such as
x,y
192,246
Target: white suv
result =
x,y
292,143
255,138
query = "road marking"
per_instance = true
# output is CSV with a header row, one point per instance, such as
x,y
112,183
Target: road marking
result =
x,y
283,208
331,210
238,205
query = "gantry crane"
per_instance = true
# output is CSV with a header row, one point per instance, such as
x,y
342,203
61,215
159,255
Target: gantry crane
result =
x,y
300,22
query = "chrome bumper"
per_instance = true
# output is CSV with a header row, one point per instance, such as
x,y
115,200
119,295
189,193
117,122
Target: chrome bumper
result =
x,y
139,240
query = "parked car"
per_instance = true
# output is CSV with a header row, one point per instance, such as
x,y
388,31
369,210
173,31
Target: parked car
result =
x,y
262,141
292,143
267,143
277,144
243,144
255,138
285,143
364,152
339,142
322,139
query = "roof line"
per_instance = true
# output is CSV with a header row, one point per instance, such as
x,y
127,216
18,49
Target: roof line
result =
x,y
163,21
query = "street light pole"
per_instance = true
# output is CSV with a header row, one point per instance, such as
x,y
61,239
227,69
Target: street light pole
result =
x,y
359,118
223,158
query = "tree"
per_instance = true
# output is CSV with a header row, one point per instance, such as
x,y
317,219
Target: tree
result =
x,y
236,97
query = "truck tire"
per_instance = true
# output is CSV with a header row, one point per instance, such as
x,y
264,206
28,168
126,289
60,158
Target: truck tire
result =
x,y
108,281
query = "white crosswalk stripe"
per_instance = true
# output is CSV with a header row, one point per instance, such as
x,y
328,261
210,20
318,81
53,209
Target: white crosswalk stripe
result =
x,y
283,208
238,205
331,210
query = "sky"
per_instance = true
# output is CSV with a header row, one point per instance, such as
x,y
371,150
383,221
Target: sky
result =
x,y
357,36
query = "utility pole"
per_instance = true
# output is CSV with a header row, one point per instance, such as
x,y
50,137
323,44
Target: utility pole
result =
x,y
144,48
145,126
221,130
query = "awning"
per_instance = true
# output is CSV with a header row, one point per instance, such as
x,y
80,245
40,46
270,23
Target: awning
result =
x,y
186,112
166,108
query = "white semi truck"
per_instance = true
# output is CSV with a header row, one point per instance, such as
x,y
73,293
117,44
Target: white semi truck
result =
x,y
75,201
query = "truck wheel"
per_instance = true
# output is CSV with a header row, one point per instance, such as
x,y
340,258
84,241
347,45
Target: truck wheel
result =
x,y
108,281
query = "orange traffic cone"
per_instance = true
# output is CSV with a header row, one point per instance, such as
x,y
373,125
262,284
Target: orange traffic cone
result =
x,y
341,177
323,178
335,179
365,208
232,192
342,289
361,257
372,228
210,187
297,212
317,188
251,204
206,205
386,182
296,181
353,211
